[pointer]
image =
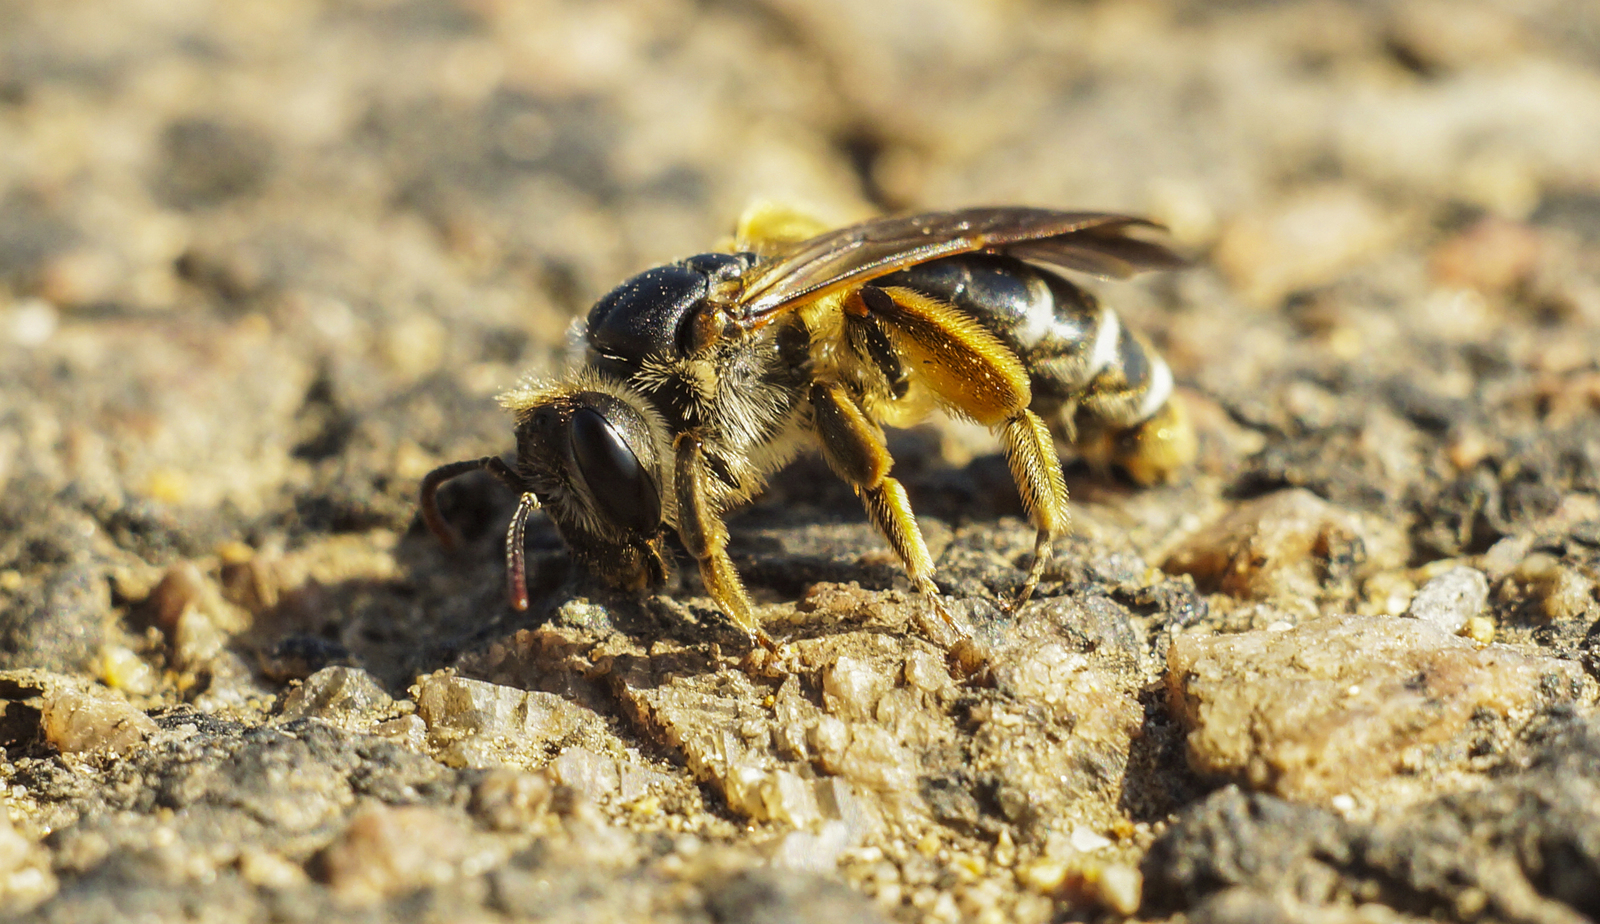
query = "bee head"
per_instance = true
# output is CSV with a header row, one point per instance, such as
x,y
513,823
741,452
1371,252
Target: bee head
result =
x,y
593,461
590,459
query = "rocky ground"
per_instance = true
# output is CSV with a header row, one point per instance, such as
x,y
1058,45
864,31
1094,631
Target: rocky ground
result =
x,y
264,265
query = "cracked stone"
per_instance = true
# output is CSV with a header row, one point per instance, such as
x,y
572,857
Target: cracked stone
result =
x,y
1340,703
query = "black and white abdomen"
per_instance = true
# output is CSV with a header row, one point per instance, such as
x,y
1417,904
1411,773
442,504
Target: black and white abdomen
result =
x,y
1085,367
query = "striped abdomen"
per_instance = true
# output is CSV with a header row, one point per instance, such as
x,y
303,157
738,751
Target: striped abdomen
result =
x,y
1084,365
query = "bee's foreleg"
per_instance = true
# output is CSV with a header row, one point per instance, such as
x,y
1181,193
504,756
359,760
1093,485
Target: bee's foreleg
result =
x,y
853,447
1035,467
706,538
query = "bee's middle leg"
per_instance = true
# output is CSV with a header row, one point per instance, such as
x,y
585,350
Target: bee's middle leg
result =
x,y
854,448
1035,467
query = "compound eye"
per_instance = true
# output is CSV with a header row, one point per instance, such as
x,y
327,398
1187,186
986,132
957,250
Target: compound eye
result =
x,y
621,489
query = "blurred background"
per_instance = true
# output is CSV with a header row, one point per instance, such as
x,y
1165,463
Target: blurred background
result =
x,y
256,199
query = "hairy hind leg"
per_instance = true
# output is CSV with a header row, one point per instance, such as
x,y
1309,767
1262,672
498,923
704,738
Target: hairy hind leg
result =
x,y
1035,467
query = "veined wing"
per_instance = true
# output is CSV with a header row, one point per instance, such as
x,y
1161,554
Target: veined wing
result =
x,y
1092,242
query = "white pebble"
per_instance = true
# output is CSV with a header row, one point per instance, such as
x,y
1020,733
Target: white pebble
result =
x,y
1451,599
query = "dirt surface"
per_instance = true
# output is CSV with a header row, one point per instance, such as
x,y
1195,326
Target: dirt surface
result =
x,y
262,266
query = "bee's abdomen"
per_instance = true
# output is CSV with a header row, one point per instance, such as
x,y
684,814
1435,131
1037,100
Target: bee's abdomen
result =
x,y
1079,356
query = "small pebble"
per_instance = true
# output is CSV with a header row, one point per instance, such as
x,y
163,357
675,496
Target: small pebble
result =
x,y
1044,875
511,800
121,668
592,774
269,870
1560,592
494,716
1087,841
1451,599
851,687
76,721
1005,849
337,694
32,321
1118,887
1480,629
389,851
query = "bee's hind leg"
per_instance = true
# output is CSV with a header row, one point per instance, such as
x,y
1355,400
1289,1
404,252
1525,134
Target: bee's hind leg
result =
x,y
1035,467
981,378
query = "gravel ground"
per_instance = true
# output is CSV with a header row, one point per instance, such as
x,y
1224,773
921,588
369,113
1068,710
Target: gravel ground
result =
x,y
262,266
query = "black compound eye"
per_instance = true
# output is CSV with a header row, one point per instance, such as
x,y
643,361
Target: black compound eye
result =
x,y
621,488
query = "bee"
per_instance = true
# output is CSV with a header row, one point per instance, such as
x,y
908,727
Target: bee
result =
x,y
695,382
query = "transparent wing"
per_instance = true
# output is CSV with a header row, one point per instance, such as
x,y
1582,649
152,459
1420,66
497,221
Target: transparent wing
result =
x,y
1091,242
